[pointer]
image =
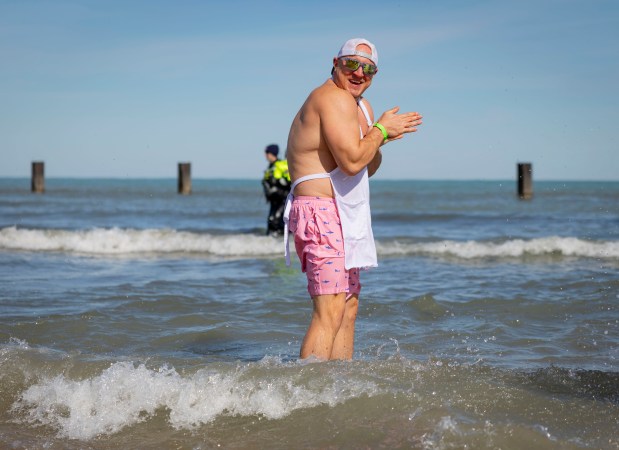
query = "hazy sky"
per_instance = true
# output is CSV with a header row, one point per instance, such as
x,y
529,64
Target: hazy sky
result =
x,y
130,88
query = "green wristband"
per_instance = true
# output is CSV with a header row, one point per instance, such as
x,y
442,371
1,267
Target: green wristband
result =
x,y
382,130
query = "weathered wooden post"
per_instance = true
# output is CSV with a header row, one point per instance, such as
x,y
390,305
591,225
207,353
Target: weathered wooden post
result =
x,y
37,183
184,178
525,181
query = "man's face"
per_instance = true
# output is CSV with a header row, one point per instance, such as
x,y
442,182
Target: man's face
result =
x,y
354,81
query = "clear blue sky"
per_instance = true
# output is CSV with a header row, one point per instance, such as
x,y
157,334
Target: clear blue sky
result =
x,y
130,88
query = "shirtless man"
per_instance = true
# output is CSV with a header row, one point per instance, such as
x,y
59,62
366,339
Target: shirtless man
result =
x,y
333,146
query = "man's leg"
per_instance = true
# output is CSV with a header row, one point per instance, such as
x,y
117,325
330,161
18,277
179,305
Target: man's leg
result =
x,y
279,215
271,221
343,345
327,317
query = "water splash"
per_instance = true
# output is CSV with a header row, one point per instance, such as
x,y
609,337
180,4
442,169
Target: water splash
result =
x,y
126,394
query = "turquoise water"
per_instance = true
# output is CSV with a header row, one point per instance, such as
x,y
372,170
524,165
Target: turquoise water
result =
x,y
131,316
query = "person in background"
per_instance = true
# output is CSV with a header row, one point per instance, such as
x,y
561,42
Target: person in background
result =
x,y
276,185
334,145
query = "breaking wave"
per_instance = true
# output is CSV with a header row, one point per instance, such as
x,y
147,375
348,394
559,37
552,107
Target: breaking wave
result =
x,y
126,394
127,241
512,248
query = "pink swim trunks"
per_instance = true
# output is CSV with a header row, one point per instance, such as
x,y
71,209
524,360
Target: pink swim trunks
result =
x,y
315,225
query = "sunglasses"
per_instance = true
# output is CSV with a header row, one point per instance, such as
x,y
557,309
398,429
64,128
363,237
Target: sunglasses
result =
x,y
353,64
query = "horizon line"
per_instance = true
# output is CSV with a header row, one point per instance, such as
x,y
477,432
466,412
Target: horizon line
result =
x,y
172,178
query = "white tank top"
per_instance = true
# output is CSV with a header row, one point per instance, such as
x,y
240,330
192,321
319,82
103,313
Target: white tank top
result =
x,y
352,197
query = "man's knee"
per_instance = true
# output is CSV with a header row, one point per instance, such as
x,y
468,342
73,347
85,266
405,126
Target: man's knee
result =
x,y
330,310
352,306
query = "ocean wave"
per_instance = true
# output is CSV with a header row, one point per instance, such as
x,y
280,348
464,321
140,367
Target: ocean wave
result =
x,y
512,248
126,394
127,241
76,398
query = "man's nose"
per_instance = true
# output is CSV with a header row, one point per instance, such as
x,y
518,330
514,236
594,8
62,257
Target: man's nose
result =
x,y
359,71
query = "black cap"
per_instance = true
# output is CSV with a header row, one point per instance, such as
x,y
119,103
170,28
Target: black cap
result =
x,y
272,148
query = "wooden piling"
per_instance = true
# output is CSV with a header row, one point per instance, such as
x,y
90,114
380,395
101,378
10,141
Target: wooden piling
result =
x,y
184,178
525,181
37,184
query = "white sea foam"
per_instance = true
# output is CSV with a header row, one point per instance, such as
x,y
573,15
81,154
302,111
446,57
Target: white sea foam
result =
x,y
120,241
126,394
553,245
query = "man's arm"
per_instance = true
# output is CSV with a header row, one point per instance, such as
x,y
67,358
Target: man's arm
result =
x,y
340,128
375,163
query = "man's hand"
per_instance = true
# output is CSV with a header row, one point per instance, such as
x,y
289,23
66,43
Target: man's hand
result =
x,y
399,124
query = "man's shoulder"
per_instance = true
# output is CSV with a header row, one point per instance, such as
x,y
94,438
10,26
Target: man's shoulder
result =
x,y
327,94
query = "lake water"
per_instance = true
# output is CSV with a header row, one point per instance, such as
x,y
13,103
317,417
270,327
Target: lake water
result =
x,y
134,317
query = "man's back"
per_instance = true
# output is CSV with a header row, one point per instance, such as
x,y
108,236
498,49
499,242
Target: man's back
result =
x,y
327,107
307,152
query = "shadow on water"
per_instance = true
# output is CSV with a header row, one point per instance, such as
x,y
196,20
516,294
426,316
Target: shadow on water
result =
x,y
590,384
229,350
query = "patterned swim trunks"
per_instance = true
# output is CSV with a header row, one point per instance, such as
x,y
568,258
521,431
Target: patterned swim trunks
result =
x,y
315,225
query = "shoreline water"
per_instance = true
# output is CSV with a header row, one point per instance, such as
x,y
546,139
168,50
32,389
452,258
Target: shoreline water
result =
x,y
135,317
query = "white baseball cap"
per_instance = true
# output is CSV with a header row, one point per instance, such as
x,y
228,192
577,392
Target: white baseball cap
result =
x,y
350,48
